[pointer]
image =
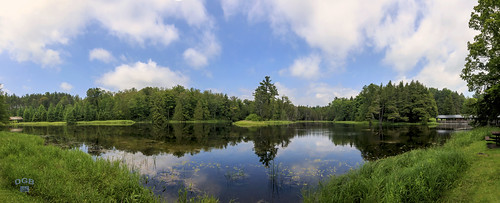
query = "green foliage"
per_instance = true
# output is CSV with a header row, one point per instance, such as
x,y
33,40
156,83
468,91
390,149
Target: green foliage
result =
x,y
159,109
66,175
448,102
264,96
482,68
69,115
199,112
391,103
4,117
488,105
179,114
253,117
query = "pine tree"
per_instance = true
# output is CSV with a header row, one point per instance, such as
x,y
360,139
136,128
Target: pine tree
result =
x,y
198,111
69,115
178,112
51,113
4,117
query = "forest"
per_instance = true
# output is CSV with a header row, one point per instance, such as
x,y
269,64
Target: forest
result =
x,y
402,102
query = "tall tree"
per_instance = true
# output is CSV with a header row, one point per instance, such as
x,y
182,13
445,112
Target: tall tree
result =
x,y
3,108
264,95
482,68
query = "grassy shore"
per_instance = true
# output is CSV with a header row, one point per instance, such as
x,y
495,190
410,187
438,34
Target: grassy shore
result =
x,y
82,123
245,123
201,121
375,122
463,170
63,175
68,175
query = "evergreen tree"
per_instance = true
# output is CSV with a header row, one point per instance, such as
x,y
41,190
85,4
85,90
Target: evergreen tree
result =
x,y
59,112
178,112
69,115
198,111
4,117
51,113
264,96
158,109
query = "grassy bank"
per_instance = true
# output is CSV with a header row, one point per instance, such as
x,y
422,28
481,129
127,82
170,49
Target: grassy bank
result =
x,y
451,173
38,124
245,123
83,123
109,122
63,175
375,122
201,121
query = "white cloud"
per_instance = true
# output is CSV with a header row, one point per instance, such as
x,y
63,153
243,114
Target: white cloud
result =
x,y
101,55
246,94
322,94
315,93
140,75
335,27
66,86
198,56
306,67
30,30
434,38
285,91
230,7
36,31
411,33
195,58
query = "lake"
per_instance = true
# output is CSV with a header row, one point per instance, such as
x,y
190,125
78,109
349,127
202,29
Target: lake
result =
x,y
268,164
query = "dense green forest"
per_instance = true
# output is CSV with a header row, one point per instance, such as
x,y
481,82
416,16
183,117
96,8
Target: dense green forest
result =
x,y
404,102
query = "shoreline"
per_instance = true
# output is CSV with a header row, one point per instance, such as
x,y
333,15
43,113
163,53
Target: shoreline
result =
x,y
462,170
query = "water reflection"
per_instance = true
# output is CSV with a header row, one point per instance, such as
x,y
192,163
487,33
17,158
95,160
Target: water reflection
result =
x,y
236,163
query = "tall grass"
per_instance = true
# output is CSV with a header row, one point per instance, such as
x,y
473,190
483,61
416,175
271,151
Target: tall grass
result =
x,y
65,175
421,175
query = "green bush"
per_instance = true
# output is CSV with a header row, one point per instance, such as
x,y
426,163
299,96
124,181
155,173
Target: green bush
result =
x,y
253,117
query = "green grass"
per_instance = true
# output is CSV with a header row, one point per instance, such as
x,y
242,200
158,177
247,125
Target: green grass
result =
x,y
83,123
201,121
67,175
481,182
38,124
385,123
447,174
108,122
245,123
64,175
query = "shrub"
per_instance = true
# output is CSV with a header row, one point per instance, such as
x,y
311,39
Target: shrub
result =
x,y
253,117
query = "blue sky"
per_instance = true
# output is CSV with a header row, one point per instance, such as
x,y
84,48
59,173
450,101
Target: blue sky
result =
x,y
313,50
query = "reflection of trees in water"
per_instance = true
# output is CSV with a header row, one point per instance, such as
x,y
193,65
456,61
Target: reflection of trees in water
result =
x,y
379,142
268,139
183,138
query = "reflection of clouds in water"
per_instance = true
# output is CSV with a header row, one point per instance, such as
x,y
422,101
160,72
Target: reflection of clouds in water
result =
x,y
244,147
168,169
145,165
326,145
315,147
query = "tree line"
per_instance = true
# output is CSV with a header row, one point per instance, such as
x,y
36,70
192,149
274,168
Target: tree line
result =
x,y
410,102
404,102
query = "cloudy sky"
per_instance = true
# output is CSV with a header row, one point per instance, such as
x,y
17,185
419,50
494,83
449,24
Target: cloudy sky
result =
x,y
313,50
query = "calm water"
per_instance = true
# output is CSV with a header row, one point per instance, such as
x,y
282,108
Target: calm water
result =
x,y
270,164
